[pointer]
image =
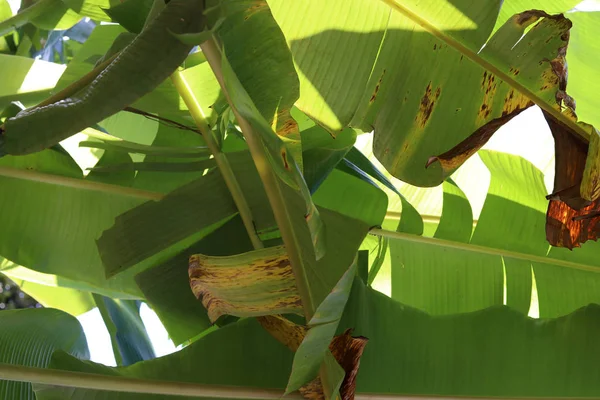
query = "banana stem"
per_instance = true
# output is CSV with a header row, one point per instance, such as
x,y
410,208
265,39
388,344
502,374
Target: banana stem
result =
x,y
197,113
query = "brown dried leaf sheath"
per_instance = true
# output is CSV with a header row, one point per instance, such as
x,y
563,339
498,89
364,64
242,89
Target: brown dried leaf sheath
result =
x,y
346,349
570,220
257,283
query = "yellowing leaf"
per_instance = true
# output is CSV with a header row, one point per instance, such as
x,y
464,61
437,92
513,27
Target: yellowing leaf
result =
x,y
251,284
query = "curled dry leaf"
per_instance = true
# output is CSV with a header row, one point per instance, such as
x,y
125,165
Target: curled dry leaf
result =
x,y
251,284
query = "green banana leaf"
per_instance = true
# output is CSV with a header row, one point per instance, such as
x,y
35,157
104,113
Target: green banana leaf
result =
x,y
495,265
492,352
583,57
52,215
357,63
26,80
29,337
71,301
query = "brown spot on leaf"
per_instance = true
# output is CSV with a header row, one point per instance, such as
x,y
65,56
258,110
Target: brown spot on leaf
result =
x,y
488,86
374,95
284,158
515,101
528,17
428,102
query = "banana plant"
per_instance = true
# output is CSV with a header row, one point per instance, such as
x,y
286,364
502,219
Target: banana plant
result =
x,y
204,157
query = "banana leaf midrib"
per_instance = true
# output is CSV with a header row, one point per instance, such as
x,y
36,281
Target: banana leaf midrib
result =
x,y
482,249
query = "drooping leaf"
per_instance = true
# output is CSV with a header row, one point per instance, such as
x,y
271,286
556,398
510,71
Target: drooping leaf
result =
x,y
29,337
128,335
475,93
172,309
256,283
39,128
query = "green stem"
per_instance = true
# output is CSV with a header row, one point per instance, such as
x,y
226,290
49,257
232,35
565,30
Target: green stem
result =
x,y
75,183
213,56
408,237
187,94
473,56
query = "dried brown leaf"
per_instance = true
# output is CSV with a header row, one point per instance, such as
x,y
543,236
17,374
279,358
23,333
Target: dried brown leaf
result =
x,y
347,350
571,220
